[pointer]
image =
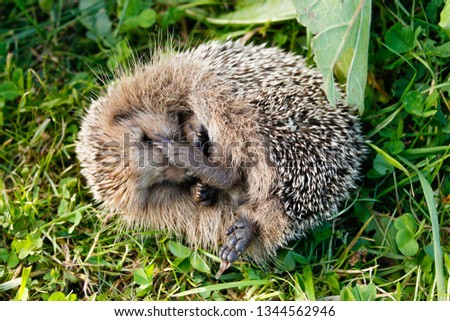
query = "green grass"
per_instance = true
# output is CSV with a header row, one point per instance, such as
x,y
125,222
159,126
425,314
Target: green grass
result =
x,y
53,244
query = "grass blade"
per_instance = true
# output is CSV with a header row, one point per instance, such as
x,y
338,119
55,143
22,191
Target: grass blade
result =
x,y
390,159
425,151
437,249
22,294
221,286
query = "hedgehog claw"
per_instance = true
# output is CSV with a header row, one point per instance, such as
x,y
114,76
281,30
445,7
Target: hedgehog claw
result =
x,y
203,194
230,230
238,239
223,267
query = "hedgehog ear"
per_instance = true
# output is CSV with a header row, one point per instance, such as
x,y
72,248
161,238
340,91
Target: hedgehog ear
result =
x,y
122,116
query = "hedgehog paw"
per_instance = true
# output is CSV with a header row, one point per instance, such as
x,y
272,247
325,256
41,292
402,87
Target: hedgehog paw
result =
x,y
196,134
239,236
203,194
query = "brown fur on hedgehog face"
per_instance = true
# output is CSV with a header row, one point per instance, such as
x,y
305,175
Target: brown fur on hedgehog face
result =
x,y
116,146
124,129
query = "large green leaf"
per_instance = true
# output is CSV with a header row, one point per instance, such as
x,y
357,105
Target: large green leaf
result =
x,y
257,12
341,41
445,16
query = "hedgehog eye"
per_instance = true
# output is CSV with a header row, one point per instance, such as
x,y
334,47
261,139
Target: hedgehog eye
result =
x,y
146,139
182,117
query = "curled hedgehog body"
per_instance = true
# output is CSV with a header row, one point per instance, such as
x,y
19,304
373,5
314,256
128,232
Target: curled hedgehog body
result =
x,y
281,159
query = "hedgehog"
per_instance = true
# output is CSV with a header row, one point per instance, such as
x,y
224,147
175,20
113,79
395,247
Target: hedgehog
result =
x,y
232,147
